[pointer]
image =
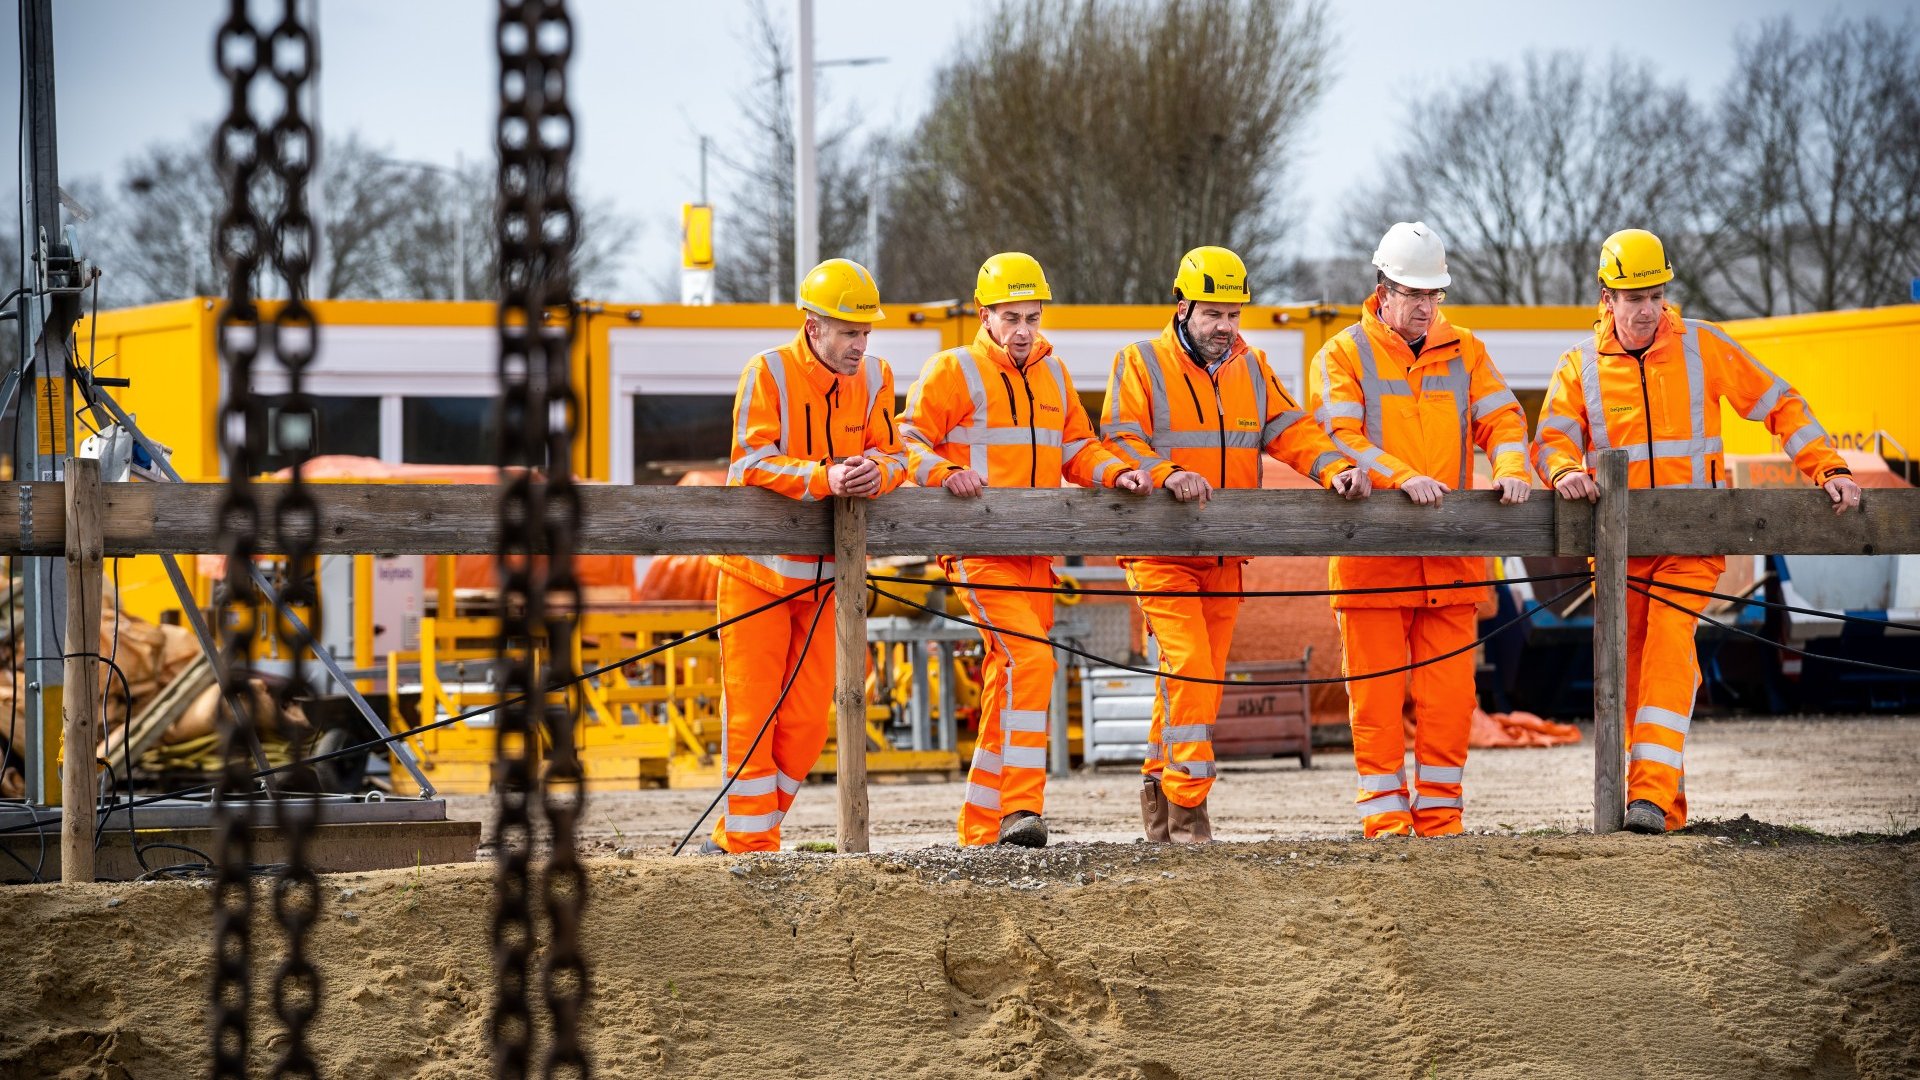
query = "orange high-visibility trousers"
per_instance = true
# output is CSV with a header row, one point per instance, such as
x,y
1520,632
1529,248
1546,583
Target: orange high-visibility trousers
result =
x,y
757,656
1379,639
1009,770
1194,634
1663,675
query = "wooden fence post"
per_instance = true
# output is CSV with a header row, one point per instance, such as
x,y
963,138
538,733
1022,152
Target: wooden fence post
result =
x,y
80,720
1610,643
850,668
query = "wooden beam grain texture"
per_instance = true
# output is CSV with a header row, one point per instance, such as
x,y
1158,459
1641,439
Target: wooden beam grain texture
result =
x,y
449,519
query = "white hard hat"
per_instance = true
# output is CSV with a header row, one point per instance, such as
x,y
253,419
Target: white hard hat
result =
x,y
1411,255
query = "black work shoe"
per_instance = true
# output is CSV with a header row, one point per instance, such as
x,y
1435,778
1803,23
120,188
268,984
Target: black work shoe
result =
x,y
1024,828
1646,818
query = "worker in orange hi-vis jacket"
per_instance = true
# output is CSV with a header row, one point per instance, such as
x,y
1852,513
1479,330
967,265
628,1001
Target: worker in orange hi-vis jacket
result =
x,y
1198,408
1651,383
812,418
1410,395
1001,412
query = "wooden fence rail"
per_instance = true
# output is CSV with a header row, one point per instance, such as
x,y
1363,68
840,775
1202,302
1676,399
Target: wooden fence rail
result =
x,y
446,519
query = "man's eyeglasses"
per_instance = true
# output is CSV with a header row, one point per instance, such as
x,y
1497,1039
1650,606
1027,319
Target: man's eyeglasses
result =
x,y
1432,296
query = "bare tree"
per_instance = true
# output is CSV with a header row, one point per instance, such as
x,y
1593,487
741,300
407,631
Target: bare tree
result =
x,y
753,226
1814,201
1106,137
1524,169
389,228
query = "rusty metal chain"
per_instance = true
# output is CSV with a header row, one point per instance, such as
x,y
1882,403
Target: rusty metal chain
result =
x,y
292,149
518,321
563,787
240,239
539,599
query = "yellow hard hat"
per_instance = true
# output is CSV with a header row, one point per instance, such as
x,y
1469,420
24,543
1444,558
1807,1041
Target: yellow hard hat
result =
x,y
841,289
1634,259
1212,273
1010,276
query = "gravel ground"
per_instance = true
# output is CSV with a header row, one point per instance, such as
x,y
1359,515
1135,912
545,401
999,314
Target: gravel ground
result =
x,y
1834,775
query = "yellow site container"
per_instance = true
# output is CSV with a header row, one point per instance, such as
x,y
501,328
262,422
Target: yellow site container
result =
x,y
1860,370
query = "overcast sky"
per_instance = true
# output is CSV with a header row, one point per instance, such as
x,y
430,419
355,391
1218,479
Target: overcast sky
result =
x,y
417,77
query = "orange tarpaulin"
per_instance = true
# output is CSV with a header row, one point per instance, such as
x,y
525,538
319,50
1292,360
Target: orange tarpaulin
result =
x,y
1514,729
684,577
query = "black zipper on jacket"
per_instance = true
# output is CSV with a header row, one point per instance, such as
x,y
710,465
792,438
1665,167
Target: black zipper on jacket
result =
x,y
826,423
1646,404
1220,419
808,426
1220,424
1033,437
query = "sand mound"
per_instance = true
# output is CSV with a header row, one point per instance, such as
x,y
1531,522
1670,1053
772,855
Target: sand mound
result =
x,y
1485,957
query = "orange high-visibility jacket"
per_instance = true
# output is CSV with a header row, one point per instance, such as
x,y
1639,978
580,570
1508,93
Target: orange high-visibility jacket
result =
x,y
1664,409
1166,413
1403,416
792,418
974,408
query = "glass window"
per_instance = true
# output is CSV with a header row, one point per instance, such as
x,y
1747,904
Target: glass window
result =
x,y
447,431
673,433
348,425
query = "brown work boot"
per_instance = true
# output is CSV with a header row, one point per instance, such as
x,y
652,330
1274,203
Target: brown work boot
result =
x,y
1153,810
1189,824
1024,828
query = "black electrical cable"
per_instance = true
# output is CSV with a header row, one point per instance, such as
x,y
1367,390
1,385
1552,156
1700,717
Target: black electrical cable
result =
x,y
1326,681
1849,661
371,744
1770,605
38,871
1073,590
792,676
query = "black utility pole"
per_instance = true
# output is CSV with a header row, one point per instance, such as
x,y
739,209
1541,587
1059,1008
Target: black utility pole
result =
x,y
53,279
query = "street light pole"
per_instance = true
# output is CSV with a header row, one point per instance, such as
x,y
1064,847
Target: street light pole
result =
x,y
806,180
460,231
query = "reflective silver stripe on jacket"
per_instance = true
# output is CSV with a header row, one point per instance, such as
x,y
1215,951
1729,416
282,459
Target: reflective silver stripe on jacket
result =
x,y
743,413
1375,389
1486,406
1157,383
1205,440
1006,436
793,568
975,435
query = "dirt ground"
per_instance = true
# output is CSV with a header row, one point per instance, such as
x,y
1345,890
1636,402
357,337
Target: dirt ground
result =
x,y
1748,950
1838,776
